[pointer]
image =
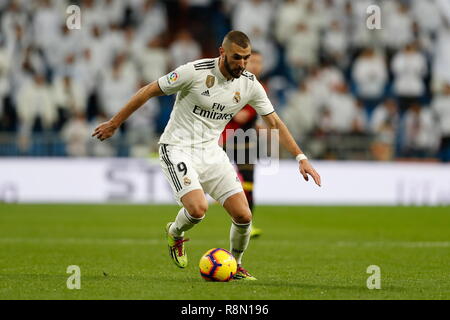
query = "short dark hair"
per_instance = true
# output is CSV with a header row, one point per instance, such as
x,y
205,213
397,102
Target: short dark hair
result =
x,y
238,38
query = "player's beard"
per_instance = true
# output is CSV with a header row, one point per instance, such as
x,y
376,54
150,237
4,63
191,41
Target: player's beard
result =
x,y
236,73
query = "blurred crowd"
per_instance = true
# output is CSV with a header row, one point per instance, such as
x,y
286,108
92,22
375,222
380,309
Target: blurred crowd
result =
x,y
340,86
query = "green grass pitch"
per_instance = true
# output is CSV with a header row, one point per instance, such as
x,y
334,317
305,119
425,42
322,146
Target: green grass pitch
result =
x,y
304,253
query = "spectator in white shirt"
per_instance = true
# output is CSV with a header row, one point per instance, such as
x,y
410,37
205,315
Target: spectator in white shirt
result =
x,y
70,98
18,40
131,44
141,129
152,17
302,51
370,76
385,114
114,40
330,75
335,44
86,72
76,135
331,10
118,85
253,17
288,16
360,123
346,116
397,26
184,49
266,45
153,60
47,21
313,16
420,135
106,149
427,15
14,16
99,45
409,67
355,17
301,113
441,109
321,81
36,109
24,62
384,125
92,14
67,43
114,10
441,62
5,67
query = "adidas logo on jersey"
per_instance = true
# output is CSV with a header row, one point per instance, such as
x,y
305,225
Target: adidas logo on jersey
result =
x,y
206,93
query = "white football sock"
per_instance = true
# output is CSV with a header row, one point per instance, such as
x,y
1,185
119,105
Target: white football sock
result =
x,y
239,238
183,222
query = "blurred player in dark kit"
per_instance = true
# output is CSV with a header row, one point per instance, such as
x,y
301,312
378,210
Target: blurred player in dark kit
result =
x,y
246,119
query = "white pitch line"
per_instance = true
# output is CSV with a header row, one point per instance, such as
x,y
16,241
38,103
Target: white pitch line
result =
x,y
99,241
130,241
402,244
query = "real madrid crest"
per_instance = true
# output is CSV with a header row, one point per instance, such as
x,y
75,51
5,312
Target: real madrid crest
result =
x,y
187,181
237,97
210,80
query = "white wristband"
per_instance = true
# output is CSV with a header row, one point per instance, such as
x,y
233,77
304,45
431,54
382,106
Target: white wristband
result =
x,y
301,157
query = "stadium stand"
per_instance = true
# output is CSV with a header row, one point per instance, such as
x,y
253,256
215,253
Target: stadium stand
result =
x,y
346,92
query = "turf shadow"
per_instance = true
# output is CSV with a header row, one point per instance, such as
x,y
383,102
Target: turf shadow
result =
x,y
310,286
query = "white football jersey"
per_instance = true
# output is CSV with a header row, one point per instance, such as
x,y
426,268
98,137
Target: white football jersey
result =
x,y
206,101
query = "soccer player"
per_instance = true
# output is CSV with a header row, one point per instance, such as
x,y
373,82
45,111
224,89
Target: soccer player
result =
x,y
246,119
209,93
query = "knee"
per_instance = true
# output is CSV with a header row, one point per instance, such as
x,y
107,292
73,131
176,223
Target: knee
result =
x,y
198,210
244,218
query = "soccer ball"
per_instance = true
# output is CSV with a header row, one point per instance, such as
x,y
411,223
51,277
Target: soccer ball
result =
x,y
218,265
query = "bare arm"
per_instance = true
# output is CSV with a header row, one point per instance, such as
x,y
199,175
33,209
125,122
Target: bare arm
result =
x,y
274,122
106,130
242,117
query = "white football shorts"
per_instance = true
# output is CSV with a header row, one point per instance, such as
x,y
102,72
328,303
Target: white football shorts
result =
x,y
195,168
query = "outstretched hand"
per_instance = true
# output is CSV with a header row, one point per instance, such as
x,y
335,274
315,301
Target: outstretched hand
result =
x,y
104,131
307,169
